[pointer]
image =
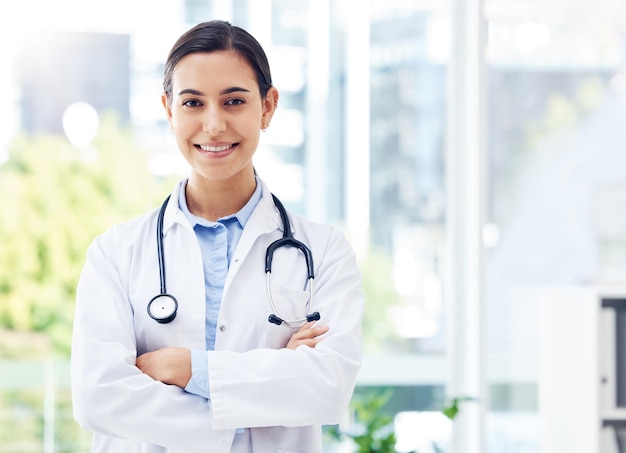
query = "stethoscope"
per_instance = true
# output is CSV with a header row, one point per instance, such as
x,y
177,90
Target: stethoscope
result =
x,y
163,307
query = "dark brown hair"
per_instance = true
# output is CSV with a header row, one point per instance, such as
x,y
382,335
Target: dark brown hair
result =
x,y
214,36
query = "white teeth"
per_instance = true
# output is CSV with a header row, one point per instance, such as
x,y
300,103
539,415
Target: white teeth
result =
x,y
214,149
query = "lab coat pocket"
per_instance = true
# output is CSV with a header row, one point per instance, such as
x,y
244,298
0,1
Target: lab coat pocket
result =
x,y
290,305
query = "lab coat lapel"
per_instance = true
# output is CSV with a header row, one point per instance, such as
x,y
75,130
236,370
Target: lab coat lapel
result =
x,y
173,214
265,219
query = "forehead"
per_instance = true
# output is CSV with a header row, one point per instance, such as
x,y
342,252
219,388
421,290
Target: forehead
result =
x,y
216,70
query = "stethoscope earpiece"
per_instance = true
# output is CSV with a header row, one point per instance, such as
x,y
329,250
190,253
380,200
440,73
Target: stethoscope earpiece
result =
x,y
274,319
315,316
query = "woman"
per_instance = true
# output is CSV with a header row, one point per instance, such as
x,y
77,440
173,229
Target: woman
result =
x,y
204,370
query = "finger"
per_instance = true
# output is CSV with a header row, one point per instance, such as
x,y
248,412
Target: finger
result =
x,y
310,332
311,337
310,342
315,331
294,342
142,361
306,326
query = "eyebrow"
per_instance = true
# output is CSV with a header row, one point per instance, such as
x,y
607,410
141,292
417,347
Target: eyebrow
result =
x,y
224,91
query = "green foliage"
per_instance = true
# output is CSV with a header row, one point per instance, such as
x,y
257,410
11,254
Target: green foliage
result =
x,y
56,200
24,430
564,111
452,407
374,431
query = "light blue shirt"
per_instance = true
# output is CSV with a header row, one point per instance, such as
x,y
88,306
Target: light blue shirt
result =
x,y
218,241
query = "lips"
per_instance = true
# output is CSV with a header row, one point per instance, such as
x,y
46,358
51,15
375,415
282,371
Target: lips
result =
x,y
216,149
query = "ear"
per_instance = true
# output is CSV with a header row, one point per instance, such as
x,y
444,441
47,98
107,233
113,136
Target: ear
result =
x,y
269,106
167,107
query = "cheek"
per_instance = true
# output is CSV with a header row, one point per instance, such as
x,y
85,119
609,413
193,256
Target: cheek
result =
x,y
253,125
181,126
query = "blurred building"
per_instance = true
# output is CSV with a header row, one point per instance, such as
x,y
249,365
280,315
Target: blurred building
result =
x,y
59,68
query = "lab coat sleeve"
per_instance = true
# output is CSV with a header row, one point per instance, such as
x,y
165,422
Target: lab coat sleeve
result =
x,y
306,386
110,394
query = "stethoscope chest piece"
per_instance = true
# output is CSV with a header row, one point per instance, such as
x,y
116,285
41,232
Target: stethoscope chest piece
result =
x,y
162,308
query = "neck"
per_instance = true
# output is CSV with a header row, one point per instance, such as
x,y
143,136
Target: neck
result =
x,y
215,199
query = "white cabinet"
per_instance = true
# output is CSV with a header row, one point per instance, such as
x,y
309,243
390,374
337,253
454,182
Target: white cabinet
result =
x,y
582,369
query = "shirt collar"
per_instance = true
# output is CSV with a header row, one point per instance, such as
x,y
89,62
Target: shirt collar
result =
x,y
242,216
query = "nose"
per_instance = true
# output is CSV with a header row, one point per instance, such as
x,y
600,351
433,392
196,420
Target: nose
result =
x,y
214,122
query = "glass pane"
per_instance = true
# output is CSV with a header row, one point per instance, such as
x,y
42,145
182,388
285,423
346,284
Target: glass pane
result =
x,y
555,141
408,91
404,322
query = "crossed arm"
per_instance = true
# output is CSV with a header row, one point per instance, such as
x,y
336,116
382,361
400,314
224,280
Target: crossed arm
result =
x,y
172,365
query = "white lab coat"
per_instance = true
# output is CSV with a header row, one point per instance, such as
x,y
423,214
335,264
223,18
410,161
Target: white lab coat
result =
x,y
283,395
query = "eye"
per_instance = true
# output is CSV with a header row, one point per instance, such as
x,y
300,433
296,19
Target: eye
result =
x,y
234,101
192,103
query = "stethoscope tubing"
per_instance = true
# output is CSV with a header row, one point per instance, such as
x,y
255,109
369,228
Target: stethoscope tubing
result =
x,y
162,307
160,251
286,241
273,318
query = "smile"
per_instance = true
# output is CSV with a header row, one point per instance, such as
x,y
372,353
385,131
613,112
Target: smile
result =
x,y
215,149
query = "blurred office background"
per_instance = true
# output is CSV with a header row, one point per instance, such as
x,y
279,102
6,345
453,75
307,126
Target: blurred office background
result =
x,y
473,151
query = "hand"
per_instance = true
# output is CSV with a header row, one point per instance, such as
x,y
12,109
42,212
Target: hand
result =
x,y
168,365
307,335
